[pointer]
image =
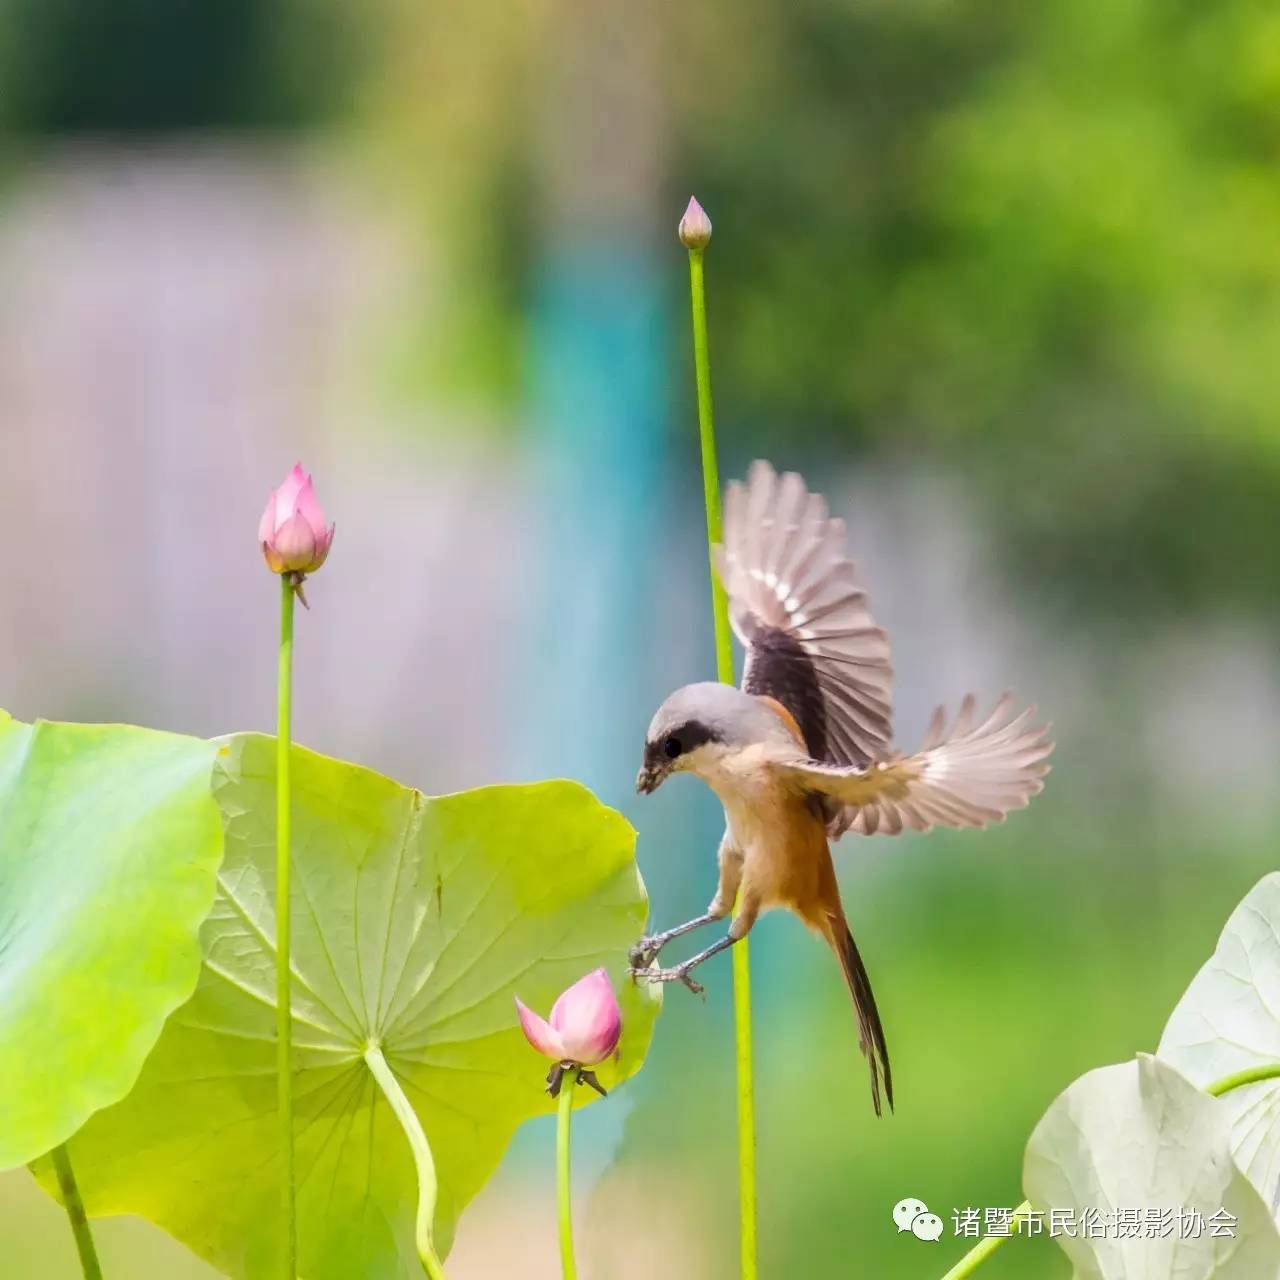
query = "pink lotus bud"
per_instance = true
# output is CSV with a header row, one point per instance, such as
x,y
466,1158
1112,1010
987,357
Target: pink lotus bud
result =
x,y
585,1023
293,532
695,226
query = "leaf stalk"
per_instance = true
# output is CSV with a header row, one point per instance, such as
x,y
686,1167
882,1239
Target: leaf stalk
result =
x,y
422,1159
76,1215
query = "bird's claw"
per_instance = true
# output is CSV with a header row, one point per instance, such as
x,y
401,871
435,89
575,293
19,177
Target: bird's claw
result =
x,y
678,974
643,954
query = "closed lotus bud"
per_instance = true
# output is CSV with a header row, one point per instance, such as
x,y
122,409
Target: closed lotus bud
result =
x,y
695,226
585,1023
294,534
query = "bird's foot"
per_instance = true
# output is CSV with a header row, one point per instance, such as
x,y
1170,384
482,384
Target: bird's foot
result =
x,y
679,974
644,953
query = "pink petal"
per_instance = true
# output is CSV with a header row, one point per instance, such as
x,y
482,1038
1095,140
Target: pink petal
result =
x,y
539,1033
274,563
588,1019
295,545
287,493
323,543
267,525
308,507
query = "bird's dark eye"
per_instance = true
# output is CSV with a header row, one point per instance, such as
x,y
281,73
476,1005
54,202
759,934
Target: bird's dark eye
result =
x,y
671,747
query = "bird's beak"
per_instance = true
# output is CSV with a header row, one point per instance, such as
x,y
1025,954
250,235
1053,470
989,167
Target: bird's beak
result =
x,y
648,780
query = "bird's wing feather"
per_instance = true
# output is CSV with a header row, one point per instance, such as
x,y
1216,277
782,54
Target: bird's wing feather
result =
x,y
798,607
968,775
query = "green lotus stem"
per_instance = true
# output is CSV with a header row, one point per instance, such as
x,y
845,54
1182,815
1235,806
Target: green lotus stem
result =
x,y
987,1246
710,467
564,1195
284,999
76,1215
746,1109
724,672
422,1159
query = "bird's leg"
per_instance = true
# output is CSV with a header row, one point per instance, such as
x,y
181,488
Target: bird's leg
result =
x,y
645,952
681,971
739,927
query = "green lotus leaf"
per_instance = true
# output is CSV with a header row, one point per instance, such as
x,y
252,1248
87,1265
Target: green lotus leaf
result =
x,y
1228,1020
1140,1137
415,922
109,844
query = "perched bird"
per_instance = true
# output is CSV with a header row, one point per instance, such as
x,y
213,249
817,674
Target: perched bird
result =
x,y
803,751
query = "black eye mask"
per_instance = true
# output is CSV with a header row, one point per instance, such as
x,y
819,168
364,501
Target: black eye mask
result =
x,y
688,737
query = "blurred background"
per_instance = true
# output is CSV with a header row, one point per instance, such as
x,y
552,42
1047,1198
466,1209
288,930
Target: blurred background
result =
x,y
1002,281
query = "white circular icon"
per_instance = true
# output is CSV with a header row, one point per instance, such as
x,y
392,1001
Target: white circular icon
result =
x,y
907,1210
926,1226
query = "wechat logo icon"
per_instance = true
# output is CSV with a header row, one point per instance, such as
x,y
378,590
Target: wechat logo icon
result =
x,y
914,1216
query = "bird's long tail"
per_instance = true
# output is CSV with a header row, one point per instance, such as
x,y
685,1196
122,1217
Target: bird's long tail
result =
x,y
870,1031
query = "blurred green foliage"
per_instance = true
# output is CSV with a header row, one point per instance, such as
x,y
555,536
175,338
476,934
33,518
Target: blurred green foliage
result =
x,y
149,66
964,217
1041,242
1038,244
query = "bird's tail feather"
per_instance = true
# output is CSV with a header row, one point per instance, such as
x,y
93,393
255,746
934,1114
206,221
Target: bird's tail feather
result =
x,y
870,1031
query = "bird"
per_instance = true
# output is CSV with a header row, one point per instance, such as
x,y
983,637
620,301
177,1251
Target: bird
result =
x,y
803,752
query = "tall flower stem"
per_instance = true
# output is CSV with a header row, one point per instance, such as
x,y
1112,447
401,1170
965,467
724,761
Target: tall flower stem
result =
x,y
284,1004
724,672
564,1191
710,465
76,1215
423,1161
987,1246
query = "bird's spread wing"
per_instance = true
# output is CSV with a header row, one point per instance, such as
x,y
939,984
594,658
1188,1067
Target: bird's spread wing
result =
x,y
797,606
968,775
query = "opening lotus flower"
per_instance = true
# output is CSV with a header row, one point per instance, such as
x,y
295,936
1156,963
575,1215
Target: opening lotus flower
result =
x,y
583,1030
294,534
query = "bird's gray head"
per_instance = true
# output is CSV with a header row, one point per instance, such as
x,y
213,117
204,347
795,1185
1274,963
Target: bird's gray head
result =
x,y
696,726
